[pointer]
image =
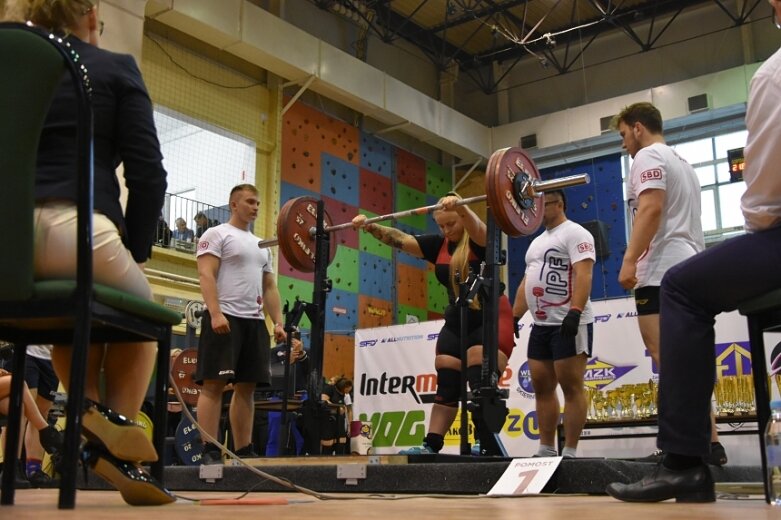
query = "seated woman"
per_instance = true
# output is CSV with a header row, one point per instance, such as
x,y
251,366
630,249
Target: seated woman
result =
x,y
124,132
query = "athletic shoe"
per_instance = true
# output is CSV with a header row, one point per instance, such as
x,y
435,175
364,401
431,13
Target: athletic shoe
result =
x,y
211,454
246,453
52,441
418,450
40,479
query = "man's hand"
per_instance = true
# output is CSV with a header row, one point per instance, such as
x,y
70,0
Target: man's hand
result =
x,y
220,323
627,277
279,333
516,326
570,324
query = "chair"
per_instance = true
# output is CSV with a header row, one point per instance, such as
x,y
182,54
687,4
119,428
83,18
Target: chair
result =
x,y
77,311
764,315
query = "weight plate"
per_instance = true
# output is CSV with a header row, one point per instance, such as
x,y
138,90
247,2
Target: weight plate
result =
x,y
297,218
193,312
503,167
183,371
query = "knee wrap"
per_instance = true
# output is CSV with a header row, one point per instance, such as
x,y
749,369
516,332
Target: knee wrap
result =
x,y
448,387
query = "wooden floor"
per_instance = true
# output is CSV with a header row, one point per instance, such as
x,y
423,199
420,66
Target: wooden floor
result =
x,y
36,504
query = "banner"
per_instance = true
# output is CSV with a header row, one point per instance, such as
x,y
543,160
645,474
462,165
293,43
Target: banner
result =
x,y
395,379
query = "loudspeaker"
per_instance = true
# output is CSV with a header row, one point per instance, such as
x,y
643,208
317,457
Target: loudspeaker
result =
x,y
598,230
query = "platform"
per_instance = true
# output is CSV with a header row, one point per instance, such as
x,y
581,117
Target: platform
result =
x,y
445,474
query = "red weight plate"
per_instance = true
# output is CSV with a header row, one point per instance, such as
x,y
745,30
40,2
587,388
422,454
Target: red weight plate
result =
x,y
503,166
183,371
297,218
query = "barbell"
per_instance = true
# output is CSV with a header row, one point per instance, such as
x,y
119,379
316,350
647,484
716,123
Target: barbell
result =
x,y
514,194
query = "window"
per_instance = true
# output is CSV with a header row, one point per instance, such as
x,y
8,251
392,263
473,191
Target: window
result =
x,y
203,163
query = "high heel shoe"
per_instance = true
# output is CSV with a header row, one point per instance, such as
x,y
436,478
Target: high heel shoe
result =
x,y
137,487
123,438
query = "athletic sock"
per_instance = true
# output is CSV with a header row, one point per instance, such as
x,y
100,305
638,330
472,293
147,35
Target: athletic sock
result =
x,y
434,441
33,466
546,451
569,453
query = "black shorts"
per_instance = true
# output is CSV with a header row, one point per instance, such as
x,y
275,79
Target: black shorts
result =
x,y
546,343
647,300
242,356
449,340
39,373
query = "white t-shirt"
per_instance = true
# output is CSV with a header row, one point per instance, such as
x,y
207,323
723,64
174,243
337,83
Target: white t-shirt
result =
x,y
680,229
761,203
549,274
242,264
40,351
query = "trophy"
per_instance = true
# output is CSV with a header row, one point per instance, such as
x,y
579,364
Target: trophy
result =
x,y
612,403
590,394
625,398
653,406
600,406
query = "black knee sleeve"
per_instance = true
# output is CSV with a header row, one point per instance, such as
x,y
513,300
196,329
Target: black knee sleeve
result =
x,y
448,387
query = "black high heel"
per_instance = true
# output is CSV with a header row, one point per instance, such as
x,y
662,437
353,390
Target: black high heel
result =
x,y
137,487
123,438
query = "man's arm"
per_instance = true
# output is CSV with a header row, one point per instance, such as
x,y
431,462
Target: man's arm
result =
x,y
519,305
581,290
644,226
272,306
208,267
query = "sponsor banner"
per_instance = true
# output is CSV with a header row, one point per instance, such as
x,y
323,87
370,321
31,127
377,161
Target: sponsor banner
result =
x,y
395,378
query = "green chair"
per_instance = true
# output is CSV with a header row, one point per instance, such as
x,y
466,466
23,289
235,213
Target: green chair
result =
x,y
763,314
77,312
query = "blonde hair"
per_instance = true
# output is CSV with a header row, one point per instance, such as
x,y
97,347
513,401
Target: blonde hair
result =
x,y
459,261
58,16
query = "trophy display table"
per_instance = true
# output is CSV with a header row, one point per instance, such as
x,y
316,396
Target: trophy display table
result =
x,y
639,427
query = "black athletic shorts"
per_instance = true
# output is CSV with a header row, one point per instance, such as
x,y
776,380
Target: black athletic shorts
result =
x,y
39,373
647,300
546,343
241,356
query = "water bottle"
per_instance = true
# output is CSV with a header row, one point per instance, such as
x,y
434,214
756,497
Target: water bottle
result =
x,y
773,452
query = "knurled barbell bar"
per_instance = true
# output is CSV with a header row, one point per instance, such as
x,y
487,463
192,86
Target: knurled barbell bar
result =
x,y
514,194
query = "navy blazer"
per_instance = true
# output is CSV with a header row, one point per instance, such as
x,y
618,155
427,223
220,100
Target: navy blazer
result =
x,y
124,132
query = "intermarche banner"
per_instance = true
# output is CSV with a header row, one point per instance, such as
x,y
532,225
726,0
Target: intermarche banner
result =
x,y
395,378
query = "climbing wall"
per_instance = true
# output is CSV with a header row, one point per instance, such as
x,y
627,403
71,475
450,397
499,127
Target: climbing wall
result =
x,y
353,172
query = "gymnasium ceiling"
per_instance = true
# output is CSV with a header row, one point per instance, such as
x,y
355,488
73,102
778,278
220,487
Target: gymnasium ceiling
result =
x,y
472,34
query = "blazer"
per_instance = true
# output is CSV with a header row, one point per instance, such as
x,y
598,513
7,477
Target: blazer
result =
x,y
124,132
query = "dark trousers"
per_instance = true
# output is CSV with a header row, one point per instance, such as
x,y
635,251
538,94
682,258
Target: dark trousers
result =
x,y
692,294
